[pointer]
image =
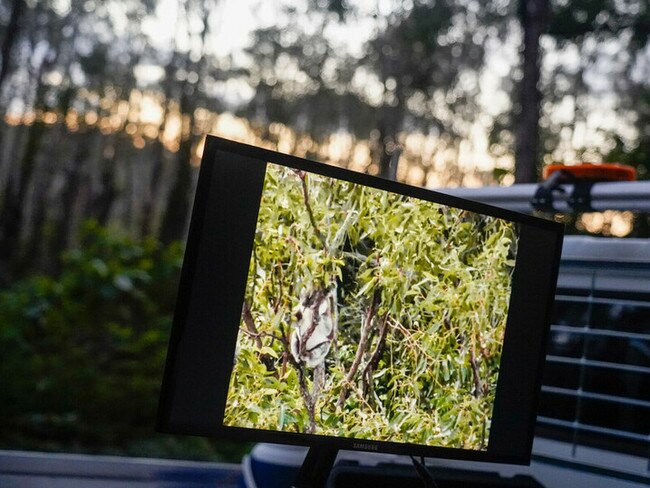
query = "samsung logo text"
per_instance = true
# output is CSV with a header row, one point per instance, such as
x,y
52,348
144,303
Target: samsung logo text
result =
x,y
364,446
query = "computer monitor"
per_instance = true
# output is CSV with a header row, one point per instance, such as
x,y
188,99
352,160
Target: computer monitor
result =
x,y
324,307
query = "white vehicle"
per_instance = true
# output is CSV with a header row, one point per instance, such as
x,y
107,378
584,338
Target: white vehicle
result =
x,y
593,428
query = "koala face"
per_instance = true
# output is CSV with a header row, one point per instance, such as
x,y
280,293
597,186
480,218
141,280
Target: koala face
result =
x,y
314,328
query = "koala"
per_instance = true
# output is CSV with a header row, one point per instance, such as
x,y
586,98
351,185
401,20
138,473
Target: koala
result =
x,y
315,327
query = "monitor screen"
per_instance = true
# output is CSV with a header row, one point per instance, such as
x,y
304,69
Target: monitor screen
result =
x,y
322,306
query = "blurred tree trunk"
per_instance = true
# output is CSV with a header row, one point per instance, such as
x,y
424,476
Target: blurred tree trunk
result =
x,y
11,36
177,212
43,238
105,192
151,218
14,189
13,206
534,16
391,118
11,217
178,202
73,197
389,150
153,194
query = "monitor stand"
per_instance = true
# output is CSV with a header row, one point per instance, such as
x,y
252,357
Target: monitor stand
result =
x,y
318,463
316,467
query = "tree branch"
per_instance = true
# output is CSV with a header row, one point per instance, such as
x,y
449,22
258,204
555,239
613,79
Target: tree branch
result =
x,y
310,212
265,334
247,317
253,332
361,349
371,365
309,401
478,384
309,398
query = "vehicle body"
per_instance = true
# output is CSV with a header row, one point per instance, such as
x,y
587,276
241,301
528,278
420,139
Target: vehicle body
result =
x,y
593,427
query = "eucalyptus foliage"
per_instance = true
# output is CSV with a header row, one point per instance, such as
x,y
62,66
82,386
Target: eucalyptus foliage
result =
x,y
422,293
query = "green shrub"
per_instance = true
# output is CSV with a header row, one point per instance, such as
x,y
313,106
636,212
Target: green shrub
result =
x,y
82,353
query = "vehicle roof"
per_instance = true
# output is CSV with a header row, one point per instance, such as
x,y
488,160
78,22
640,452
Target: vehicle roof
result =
x,y
609,249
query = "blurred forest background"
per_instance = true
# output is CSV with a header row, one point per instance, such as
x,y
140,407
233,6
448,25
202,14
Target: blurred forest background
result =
x,y
105,104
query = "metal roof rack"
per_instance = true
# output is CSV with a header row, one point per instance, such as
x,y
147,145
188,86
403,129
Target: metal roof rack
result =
x,y
628,195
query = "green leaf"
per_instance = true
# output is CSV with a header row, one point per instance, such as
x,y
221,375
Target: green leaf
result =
x,y
270,351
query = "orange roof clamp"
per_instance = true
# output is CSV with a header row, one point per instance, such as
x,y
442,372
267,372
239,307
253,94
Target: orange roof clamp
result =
x,y
594,172
582,177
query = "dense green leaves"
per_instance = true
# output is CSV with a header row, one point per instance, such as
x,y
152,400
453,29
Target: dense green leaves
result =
x,y
82,353
422,293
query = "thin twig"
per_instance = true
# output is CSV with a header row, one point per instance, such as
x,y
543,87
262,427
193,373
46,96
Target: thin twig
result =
x,y
278,280
415,344
371,365
247,317
478,384
257,335
307,397
310,212
361,349
309,401
253,332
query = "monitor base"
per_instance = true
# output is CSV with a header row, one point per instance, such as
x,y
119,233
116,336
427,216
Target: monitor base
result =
x,y
316,467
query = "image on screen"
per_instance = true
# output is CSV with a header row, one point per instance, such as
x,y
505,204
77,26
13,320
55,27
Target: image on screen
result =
x,y
370,315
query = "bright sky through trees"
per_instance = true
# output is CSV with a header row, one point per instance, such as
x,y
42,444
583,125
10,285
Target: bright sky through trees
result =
x,y
234,21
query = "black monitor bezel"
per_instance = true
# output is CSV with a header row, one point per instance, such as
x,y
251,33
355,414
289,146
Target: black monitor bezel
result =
x,y
233,194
